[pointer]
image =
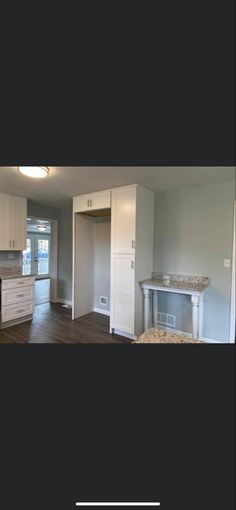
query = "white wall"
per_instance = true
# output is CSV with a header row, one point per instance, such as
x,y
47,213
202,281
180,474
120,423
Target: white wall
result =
x,y
64,288
102,258
193,235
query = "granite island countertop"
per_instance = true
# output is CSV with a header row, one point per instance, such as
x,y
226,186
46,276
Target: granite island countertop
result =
x,y
177,282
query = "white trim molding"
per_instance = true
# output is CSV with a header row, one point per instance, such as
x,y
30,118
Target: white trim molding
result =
x,y
123,333
103,312
64,301
232,332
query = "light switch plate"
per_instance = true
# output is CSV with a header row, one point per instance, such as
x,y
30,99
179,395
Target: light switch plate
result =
x,y
227,263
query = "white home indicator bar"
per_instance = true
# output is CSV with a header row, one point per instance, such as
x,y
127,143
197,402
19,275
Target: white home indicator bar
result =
x,y
150,503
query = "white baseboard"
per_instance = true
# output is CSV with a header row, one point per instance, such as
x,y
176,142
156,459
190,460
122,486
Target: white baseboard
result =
x,y
124,333
103,312
211,341
177,332
64,301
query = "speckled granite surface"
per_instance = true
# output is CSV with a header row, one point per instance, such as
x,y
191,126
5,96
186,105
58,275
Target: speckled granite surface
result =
x,y
159,336
178,281
7,273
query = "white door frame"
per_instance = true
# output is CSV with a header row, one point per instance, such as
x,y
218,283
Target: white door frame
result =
x,y
54,255
232,305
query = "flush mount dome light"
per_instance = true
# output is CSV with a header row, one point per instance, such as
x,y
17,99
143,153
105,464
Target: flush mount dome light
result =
x,y
41,228
34,171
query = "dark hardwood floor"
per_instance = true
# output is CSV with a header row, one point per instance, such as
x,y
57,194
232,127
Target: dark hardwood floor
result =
x,y
53,324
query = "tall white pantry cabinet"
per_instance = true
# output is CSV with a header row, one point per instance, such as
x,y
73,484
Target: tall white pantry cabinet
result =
x,y
132,217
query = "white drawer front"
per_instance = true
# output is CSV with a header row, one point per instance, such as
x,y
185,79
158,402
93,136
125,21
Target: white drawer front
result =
x,y
10,313
18,283
10,297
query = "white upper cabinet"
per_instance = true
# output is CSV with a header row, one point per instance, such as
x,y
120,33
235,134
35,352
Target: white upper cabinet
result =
x,y
19,223
92,201
13,222
4,222
81,203
123,219
101,200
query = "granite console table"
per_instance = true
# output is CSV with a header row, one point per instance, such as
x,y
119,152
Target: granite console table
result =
x,y
194,286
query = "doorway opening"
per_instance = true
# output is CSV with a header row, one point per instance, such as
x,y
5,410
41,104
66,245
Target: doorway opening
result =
x,y
92,263
38,258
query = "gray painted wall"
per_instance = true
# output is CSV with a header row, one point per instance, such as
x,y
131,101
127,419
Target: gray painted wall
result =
x,y
64,289
102,255
193,235
41,211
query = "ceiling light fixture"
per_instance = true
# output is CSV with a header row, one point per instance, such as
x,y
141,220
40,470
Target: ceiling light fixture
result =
x,y
34,171
41,228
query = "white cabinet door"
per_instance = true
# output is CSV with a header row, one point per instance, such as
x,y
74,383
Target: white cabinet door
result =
x,y
19,223
123,219
101,200
82,203
92,201
122,293
5,241
13,222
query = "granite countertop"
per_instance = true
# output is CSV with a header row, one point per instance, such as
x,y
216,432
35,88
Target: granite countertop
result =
x,y
159,336
178,281
9,273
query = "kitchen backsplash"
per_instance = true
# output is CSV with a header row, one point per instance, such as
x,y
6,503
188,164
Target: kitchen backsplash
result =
x,y
10,259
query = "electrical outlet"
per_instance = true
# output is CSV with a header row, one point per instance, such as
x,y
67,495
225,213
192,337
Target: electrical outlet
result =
x,y
227,263
103,300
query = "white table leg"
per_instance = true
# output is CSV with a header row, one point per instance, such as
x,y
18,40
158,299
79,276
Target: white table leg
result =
x,y
155,307
201,306
195,315
147,307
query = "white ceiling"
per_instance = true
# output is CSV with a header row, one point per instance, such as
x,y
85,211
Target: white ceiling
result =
x,y
65,182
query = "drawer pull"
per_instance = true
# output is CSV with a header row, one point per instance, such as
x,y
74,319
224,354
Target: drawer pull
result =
x,y
20,311
20,283
20,295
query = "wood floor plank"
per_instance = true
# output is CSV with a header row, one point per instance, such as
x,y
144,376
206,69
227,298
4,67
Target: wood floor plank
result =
x,y
53,324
